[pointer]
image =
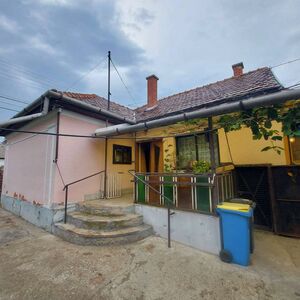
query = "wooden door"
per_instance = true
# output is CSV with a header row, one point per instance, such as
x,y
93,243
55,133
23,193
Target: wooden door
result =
x,y
156,166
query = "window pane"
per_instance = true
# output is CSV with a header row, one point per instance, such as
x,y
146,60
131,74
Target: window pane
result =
x,y
121,154
295,149
127,156
118,156
186,151
203,148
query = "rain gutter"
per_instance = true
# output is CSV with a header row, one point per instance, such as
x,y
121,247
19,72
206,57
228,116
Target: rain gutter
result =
x,y
266,100
89,107
18,118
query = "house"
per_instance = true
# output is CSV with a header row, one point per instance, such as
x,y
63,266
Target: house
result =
x,y
146,154
2,156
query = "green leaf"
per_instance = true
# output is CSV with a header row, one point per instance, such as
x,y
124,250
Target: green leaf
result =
x,y
268,124
266,148
276,138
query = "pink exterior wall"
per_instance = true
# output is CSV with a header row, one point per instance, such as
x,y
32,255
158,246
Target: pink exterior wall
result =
x,y
28,170
78,157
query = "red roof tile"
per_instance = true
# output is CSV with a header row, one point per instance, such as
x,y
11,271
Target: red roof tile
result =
x,y
252,83
101,102
249,84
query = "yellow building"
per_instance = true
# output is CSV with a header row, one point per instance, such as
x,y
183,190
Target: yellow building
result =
x,y
170,152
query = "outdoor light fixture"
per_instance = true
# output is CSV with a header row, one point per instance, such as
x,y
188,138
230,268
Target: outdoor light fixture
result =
x,y
292,139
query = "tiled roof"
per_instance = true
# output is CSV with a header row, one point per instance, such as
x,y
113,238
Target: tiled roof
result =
x,y
101,102
249,84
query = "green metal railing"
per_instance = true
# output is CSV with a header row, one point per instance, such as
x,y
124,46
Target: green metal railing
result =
x,y
185,191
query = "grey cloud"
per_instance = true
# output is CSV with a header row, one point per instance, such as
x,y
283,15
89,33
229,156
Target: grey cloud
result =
x,y
59,42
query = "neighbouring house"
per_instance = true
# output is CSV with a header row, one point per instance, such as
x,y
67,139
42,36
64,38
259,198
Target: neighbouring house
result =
x,y
146,154
2,155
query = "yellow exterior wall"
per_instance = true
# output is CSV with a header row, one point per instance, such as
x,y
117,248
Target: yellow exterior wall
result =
x,y
121,169
245,150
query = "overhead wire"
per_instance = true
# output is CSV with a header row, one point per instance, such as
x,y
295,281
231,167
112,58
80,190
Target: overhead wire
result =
x,y
90,136
13,99
10,103
113,137
285,63
294,85
110,137
1,107
22,69
86,74
25,81
122,80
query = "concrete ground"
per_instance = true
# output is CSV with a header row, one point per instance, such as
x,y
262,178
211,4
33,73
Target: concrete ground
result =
x,y
37,265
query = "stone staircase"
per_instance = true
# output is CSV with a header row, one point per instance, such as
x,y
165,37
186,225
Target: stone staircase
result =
x,y
103,222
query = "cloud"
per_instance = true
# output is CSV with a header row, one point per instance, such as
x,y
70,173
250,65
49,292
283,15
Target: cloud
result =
x,y
61,41
8,24
184,45
54,2
38,43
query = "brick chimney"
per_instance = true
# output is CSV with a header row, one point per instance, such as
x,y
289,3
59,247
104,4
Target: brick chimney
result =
x,y
152,91
238,69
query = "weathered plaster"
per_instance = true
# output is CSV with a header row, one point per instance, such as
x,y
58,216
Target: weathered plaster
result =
x,y
200,231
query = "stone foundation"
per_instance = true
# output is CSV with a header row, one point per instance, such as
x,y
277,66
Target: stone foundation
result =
x,y
38,215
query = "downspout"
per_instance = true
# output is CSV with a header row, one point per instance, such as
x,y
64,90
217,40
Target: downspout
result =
x,y
57,135
30,117
106,139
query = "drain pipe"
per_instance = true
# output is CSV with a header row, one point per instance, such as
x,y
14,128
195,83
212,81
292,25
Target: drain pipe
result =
x,y
30,117
225,108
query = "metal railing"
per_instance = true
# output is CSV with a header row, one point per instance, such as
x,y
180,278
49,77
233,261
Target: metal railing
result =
x,y
66,189
113,185
200,188
197,192
225,186
169,203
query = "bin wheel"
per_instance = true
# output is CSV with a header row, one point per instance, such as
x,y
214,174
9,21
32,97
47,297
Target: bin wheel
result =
x,y
225,256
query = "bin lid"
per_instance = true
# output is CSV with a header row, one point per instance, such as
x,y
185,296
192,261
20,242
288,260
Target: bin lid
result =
x,y
241,207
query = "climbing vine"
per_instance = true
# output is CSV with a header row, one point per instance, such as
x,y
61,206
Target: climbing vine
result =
x,y
259,120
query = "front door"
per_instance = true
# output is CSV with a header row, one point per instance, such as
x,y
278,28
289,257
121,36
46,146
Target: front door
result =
x,y
150,161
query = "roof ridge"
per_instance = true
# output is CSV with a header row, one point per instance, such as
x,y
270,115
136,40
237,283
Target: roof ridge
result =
x,y
95,97
212,83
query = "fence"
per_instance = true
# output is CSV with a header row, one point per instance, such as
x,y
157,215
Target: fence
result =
x,y
186,191
113,185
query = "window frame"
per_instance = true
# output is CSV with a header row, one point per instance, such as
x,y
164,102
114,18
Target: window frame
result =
x,y
215,132
122,147
293,161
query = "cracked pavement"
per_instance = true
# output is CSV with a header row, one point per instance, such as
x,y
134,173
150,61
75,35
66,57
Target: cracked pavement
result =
x,y
37,265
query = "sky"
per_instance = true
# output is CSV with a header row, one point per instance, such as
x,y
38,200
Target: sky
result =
x,y
63,44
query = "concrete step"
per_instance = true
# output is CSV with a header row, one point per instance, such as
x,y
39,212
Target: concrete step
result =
x,y
99,222
105,207
80,236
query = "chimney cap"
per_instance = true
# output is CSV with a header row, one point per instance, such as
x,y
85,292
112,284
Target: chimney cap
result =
x,y
240,64
154,76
